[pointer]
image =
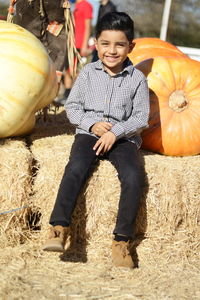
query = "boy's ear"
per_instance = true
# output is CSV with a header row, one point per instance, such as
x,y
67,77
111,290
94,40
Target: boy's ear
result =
x,y
131,46
95,43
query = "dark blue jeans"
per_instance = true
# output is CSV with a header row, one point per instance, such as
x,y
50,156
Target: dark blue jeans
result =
x,y
125,158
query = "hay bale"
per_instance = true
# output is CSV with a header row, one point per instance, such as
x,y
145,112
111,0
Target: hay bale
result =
x,y
50,154
15,187
173,200
169,207
168,218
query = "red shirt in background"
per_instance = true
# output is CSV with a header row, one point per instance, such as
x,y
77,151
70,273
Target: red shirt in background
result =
x,y
82,11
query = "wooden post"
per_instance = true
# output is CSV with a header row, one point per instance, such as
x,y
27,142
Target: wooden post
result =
x,y
165,20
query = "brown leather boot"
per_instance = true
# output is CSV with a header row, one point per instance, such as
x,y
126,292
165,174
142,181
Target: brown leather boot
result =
x,y
121,254
57,239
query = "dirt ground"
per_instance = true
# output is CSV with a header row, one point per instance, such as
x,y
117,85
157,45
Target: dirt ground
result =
x,y
26,272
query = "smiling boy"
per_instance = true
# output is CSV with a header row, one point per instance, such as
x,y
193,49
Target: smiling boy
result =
x,y
109,104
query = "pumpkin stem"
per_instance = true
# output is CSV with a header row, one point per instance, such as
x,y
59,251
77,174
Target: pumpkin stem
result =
x,y
178,101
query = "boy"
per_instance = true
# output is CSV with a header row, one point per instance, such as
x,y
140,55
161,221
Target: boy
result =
x,y
109,104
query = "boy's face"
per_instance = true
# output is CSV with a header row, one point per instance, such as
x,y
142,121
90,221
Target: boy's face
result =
x,y
113,47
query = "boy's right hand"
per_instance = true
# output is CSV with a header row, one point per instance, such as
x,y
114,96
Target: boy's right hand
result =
x,y
100,128
105,143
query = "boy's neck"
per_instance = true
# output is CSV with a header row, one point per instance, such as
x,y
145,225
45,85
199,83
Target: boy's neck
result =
x,y
104,2
113,72
117,71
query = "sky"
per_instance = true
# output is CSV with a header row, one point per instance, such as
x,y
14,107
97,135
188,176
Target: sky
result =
x,y
95,4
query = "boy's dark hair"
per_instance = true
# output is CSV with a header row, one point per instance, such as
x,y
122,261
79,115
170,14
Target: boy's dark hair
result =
x,y
116,21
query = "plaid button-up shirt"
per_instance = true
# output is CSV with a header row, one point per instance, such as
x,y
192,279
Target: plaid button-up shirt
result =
x,y
122,100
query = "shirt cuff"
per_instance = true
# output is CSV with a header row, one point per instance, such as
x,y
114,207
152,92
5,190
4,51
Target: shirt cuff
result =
x,y
87,123
118,131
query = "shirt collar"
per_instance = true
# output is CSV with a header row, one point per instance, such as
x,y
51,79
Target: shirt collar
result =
x,y
128,66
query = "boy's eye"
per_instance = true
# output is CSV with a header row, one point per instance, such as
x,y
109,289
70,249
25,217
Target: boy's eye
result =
x,y
120,45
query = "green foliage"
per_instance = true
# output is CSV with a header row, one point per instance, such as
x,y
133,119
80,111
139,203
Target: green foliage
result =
x,y
184,24
184,21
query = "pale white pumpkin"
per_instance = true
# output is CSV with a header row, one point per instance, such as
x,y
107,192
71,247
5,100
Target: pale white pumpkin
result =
x,y
28,79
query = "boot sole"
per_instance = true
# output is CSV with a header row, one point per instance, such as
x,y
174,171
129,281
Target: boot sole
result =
x,y
53,249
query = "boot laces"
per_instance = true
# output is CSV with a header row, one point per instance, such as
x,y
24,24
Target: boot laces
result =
x,y
55,233
124,249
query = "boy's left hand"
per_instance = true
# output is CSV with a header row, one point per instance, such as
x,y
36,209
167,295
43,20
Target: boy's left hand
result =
x,y
105,143
84,52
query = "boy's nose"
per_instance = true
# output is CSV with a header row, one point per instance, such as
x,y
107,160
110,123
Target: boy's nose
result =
x,y
112,49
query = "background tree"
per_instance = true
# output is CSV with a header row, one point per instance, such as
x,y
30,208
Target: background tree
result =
x,y
3,8
184,21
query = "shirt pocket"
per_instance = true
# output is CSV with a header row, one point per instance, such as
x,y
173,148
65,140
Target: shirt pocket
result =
x,y
94,99
122,103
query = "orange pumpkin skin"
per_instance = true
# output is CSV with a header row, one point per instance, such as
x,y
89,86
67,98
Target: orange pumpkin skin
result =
x,y
151,47
174,124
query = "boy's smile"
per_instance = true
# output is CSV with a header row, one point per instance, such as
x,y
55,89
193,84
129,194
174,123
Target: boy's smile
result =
x,y
113,47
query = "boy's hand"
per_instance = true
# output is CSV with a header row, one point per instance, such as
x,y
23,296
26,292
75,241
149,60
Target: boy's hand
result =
x,y
100,128
105,143
85,52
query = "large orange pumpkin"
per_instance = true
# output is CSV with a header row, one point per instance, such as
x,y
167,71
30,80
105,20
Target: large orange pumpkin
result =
x,y
174,126
151,47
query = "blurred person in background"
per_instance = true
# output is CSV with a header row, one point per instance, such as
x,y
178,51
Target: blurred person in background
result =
x,y
106,6
83,15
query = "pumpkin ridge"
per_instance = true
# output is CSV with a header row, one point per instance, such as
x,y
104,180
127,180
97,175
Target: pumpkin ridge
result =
x,y
11,98
172,74
166,116
156,77
25,44
197,87
26,62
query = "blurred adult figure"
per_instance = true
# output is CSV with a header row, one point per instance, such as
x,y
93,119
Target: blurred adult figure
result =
x,y
106,6
83,15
